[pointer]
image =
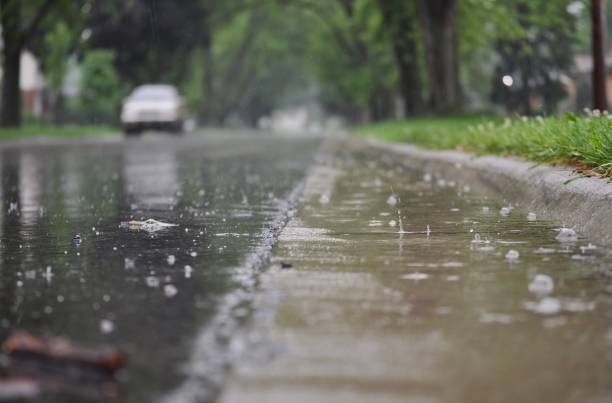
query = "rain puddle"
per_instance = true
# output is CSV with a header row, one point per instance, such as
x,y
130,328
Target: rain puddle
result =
x,y
458,297
169,287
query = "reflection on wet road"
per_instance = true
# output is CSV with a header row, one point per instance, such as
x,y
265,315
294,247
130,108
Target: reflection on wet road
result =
x,y
402,285
168,297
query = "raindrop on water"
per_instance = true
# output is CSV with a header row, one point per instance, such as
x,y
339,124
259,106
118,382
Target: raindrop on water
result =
x,y
106,326
547,306
170,290
129,263
152,281
416,276
541,284
566,235
587,248
512,255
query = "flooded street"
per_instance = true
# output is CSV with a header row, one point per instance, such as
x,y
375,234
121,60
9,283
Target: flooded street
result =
x,y
409,287
398,285
170,299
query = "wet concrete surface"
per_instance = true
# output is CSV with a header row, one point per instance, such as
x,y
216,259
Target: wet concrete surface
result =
x,y
410,287
172,299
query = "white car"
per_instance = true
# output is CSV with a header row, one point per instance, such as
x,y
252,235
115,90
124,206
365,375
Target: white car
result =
x,y
153,106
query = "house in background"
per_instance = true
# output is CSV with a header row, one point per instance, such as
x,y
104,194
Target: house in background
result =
x,y
32,86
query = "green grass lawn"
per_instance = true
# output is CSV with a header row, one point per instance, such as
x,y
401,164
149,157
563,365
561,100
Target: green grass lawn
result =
x,y
28,130
584,142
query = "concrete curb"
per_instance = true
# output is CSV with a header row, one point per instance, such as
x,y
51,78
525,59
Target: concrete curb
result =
x,y
584,204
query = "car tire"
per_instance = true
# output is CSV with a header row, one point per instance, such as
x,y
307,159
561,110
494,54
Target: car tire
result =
x,y
178,127
131,131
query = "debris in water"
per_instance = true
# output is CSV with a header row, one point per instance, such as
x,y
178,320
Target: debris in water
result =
x,y
485,209
541,285
428,231
392,223
170,290
77,239
285,264
18,388
532,217
188,270
392,200
60,353
149,225
512,255
504,211
170,260
566,235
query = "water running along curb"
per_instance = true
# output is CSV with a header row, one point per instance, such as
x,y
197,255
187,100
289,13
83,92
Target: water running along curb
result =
x,y
206,370
584,204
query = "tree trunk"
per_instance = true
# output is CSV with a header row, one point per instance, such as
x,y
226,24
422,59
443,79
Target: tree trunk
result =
x,y
10,114
207,74
59,108
599,64
402,29
438,18
409,80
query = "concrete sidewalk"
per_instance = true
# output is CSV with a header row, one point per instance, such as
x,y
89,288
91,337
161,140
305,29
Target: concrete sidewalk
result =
x,y
339,329
369,314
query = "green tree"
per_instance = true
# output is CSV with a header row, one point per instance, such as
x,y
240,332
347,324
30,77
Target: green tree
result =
x,y
400,21
19,21
100,94
59,43
537,58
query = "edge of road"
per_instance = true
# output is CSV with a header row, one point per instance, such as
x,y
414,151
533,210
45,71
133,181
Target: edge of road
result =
x,y
554,193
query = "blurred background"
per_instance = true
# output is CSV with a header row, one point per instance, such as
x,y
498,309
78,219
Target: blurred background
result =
x,y
301,64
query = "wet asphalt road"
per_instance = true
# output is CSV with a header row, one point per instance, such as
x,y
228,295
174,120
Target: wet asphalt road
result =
x,y
405,286
170,299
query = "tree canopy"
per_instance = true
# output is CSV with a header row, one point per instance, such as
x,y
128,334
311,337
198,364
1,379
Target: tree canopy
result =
x,y
239,60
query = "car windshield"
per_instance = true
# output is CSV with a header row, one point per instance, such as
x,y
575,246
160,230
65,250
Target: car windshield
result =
x,y
154,93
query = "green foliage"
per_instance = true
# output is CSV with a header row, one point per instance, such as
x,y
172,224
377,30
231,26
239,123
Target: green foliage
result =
x,y
350,56
538,57
582,141
36,130
100,87
193,86
58,42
